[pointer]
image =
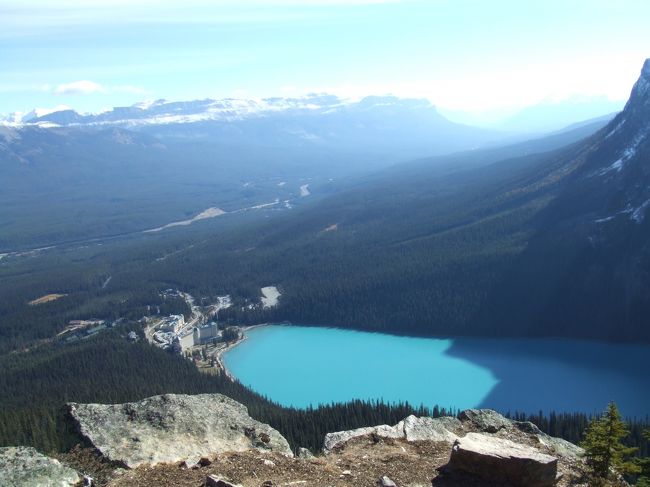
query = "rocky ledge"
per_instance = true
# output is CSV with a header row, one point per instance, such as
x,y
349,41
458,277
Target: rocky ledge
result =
x,y
179,440
173,428
449,429
481,447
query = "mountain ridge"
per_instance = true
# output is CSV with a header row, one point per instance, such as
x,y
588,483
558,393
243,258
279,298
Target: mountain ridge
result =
x,y
165,111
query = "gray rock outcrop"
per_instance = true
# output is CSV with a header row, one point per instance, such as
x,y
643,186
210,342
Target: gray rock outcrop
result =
x,y
485,420
410,429
431,429
173,428
449,429
489,421
559,446
339,438
498,460
22,466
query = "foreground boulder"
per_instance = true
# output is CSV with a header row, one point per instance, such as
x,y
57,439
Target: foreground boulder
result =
x,y
173,428
498,460
489,421
24,466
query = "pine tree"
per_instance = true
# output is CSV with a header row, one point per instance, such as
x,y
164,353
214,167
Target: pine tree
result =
x,y
603,446
644,466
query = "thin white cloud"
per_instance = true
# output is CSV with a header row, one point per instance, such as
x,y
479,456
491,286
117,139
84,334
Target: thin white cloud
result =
x,y
86,87
19,20
81,87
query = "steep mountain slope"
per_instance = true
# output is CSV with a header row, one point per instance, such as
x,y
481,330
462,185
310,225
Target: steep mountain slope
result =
x,y
552,243
588,263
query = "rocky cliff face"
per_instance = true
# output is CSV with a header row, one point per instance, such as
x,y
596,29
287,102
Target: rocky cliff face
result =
x,y
209,439
173,428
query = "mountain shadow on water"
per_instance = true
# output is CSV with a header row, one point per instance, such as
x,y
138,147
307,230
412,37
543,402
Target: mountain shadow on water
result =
x,y
559,375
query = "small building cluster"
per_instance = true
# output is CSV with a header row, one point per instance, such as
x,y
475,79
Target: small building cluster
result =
x,y
173,324
199,335
206,333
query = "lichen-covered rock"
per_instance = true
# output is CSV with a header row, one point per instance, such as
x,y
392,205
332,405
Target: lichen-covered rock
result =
x,y
498,460
431,429
485,420
339,438
172,428
22,466
412,428
560,447
489,421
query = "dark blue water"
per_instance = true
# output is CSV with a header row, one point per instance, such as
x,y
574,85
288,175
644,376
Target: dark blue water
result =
x,y
299,366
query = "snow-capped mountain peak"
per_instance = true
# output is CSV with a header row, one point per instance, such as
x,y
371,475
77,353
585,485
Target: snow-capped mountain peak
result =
x,y
164,112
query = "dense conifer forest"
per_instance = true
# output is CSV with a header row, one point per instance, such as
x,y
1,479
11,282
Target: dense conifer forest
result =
x,y
36,384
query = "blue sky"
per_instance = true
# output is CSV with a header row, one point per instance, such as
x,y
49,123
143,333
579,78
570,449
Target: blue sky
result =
x,y
462,55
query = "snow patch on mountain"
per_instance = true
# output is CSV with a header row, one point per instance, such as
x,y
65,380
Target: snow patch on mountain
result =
x,y
270,296
639,213
616,129
147,104
636,214
627,154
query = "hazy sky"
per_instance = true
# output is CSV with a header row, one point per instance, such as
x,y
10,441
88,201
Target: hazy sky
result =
x,y
461,54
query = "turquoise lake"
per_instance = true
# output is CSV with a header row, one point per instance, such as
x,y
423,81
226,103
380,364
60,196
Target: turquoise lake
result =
x,y
298,366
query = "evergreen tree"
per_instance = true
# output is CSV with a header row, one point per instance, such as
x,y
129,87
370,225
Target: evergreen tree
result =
x,y
603,446
644,466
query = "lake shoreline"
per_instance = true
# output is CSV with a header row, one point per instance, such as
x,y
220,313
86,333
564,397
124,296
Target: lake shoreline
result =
x,y
229,346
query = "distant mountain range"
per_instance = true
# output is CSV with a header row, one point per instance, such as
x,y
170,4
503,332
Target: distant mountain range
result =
x,y
409,127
